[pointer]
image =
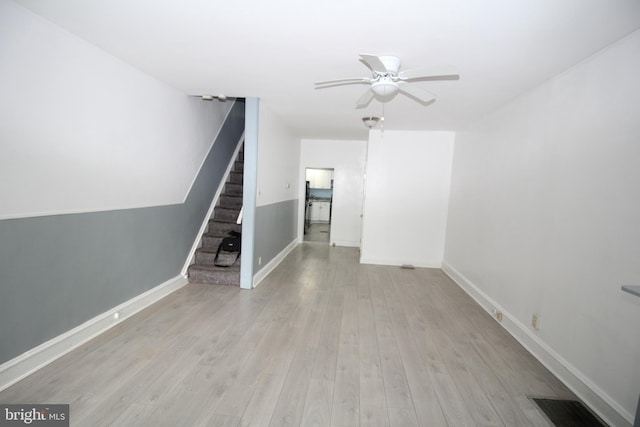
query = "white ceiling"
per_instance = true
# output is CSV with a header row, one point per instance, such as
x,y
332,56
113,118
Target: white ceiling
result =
x,y
276,49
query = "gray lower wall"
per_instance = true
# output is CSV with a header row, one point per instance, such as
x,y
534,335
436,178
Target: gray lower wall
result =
x,y
57,272
276,226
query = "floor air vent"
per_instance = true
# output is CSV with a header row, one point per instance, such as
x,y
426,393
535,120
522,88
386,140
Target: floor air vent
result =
x,y
568,413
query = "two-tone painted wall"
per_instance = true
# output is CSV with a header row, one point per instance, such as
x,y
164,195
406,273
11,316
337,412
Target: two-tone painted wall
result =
x,y
276,192
106,175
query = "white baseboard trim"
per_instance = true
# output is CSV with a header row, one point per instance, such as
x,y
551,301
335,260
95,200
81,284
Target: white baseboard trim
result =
x,y
27,363
592,395
346,243
268,268
421,264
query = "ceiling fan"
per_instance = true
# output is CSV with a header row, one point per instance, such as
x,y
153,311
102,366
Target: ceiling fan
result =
x,y
387,80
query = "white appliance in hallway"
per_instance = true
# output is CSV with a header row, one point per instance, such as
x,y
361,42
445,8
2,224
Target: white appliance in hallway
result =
x,y
318,204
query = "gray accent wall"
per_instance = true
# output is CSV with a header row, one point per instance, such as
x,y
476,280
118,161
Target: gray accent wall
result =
x,y
276,226
57,272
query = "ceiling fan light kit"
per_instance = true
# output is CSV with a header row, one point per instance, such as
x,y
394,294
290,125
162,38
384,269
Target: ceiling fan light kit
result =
x,y
384,89
387,80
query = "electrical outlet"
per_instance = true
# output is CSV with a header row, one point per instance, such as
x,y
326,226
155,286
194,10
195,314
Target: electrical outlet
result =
x,y
535,321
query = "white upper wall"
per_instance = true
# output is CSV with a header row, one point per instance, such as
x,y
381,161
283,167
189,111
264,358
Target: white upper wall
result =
x,y
407,196
347,159
278,159
83,131
545,216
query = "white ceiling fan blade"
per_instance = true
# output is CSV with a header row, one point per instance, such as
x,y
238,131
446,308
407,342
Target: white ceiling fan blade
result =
x,y
374,63
365,99
423,96
431,73
351,80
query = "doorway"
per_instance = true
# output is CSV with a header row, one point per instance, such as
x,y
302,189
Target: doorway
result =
x,y
318,204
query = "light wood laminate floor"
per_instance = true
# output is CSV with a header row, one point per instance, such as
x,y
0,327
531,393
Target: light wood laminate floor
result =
x,y
323,341
318,232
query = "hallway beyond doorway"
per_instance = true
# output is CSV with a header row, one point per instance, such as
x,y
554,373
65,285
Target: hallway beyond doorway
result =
x,y
318,233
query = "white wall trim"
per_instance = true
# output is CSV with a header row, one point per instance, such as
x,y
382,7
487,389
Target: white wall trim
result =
x,y
384,261
27,363
599,401
205,223
345,243
268,268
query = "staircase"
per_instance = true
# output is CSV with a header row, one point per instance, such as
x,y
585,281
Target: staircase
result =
x,y
224,219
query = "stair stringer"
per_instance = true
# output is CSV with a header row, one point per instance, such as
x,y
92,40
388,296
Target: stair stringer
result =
x,y
203,228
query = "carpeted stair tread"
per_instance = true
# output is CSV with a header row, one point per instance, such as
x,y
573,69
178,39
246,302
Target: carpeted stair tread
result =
x,y
223,228
207,255
212,239
223,214
236,177
216,235
224,220
210,274
231,201
233,189
211,267
209,250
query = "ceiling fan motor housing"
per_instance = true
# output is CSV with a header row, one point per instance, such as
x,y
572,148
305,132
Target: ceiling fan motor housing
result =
x,y
385,87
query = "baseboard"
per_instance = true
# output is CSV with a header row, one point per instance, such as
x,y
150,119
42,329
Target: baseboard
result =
x,y
268,268
592,395
421,264
27,363
345,243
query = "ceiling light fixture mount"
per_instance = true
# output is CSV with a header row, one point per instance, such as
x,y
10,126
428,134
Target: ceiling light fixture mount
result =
x,y
221,97
370,121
